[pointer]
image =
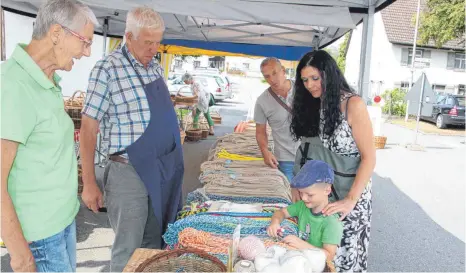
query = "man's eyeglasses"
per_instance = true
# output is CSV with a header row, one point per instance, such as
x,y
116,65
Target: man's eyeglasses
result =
x,y
87,42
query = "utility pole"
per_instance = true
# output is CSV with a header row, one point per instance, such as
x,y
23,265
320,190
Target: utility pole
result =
x,y
413,59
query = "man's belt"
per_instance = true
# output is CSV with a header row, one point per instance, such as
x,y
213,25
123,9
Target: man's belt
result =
x,y
119,159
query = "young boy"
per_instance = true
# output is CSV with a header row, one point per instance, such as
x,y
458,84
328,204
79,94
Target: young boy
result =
x,y
313,182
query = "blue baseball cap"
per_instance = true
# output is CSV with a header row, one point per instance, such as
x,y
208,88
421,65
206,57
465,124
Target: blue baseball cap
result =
x,y
314,171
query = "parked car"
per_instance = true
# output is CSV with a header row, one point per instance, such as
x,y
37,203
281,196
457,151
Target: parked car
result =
x,y
174,75
175,84
448,110
221,80
213,85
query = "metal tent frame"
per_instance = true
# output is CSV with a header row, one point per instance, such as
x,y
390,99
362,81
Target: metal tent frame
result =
x,y
281,28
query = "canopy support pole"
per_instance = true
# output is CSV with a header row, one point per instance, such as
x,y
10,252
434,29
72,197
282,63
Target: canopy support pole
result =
x,y
105,32
2,35
366,52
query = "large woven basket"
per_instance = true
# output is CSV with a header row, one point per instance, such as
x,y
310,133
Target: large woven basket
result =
x,y
182,260
74,106
380,141
194,134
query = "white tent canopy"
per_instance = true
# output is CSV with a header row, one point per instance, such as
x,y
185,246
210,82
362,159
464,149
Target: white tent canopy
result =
x,y
227,25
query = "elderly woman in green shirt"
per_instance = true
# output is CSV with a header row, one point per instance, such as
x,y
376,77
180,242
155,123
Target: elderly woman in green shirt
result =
x,y
39,169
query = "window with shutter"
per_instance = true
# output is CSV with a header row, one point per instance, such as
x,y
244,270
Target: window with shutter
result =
x,y
404,56
427,55
461,89
439,88
460,60
451,60
404,86
419,54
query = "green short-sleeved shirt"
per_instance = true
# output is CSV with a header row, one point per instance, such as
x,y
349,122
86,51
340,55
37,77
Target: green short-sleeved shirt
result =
x,y
316,229
43,180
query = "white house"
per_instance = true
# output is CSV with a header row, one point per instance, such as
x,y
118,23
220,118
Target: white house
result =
x,y
392,54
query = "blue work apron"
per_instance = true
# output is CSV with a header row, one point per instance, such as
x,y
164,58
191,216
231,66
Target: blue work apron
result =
x,y
157,156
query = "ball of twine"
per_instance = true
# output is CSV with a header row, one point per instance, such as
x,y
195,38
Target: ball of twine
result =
x,y
251,246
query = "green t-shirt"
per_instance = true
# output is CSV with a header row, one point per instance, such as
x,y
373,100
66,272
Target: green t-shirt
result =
x,y
43,180
316,229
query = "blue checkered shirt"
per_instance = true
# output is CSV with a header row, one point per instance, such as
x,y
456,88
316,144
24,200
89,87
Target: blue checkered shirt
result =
x,y
116,98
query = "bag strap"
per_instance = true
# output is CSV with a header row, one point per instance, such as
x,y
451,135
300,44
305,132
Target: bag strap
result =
x,y
275,96
304,153
346,107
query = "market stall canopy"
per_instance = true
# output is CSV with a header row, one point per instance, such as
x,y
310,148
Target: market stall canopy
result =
x,y
279,28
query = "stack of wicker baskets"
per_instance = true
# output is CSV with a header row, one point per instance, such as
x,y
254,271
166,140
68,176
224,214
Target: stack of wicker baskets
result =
x,y
80,180
216,117
204,128
193,134
189,101
74,106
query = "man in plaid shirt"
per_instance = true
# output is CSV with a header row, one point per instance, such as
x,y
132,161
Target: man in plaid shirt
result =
x,y
127,95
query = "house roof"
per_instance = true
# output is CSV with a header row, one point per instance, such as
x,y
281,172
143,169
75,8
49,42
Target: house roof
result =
x,y
398,21
286,29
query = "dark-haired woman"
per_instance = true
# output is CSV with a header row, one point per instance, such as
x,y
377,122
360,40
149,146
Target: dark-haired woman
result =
x,y
334,126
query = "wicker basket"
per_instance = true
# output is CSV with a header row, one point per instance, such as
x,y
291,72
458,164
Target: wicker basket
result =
x,y
380,141
74,106
216,117
194,134
205,129
186,100
205,134
177,261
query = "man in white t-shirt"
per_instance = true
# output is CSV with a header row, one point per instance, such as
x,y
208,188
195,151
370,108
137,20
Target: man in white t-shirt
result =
x,y
273,107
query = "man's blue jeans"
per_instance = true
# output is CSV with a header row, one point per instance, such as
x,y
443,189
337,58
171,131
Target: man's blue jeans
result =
x,y
286,167
56,253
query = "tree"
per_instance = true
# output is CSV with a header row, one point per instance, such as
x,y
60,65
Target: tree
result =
x,y
333,51
394,102
341,60
442,21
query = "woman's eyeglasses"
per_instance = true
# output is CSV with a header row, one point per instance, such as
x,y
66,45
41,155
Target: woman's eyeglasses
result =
x,y
87,42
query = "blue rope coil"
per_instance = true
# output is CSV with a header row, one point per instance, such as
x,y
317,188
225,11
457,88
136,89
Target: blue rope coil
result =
x,y
197,197
225,223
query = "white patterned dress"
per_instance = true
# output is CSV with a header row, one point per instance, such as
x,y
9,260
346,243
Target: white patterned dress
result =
x,y
351,256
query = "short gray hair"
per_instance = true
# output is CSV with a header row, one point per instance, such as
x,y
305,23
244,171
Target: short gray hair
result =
x,y
143,17
68,13
268,60
187,77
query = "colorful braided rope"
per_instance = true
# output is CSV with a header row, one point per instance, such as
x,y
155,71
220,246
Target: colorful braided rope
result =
x,y
197,197
225,223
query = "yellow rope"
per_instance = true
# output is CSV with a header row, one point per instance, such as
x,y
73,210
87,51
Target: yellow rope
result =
x,y
226,155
